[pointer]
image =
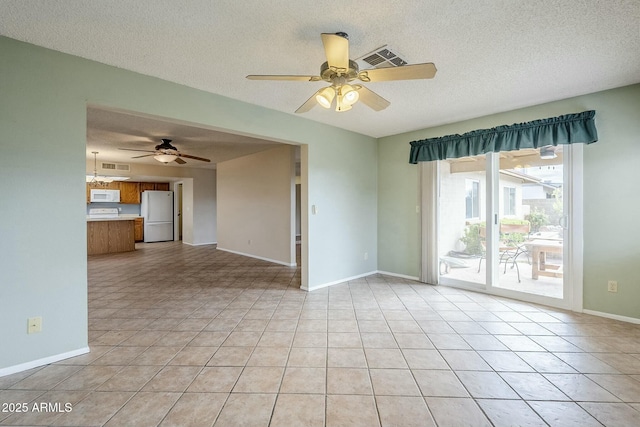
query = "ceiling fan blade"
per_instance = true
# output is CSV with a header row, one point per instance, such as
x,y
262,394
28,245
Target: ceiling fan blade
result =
x,y
309,104
180,161
284,77
371,99
133,149
202,159
336,49
144,155
405,72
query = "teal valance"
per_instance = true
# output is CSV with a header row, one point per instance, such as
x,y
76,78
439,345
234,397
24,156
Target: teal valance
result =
x,y
566,129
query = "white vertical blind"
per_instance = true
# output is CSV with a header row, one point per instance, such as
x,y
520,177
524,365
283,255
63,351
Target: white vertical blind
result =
x,y
429,222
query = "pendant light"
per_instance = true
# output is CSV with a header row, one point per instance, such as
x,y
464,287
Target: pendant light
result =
x,y
97,181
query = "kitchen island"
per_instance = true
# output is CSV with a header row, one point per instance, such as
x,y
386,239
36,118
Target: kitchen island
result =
x,y
111,235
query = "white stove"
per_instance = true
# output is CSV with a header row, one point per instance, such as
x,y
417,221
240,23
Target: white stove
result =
x,y
103,213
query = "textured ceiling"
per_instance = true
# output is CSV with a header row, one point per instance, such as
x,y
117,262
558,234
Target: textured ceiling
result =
x,y
492,55
108,131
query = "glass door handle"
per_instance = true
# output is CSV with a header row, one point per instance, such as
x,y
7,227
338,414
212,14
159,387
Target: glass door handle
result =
x,y
564,222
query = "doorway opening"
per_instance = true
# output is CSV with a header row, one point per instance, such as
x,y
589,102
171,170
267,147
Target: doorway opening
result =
x,y
177,189
115,132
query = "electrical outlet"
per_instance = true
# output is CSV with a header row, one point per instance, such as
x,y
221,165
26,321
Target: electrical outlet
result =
x,y
34,325
612,286
366,256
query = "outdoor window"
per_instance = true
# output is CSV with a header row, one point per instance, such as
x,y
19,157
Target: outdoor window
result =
x,y
472,198
509,201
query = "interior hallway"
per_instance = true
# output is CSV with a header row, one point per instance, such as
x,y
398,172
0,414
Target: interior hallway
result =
x,y
191,336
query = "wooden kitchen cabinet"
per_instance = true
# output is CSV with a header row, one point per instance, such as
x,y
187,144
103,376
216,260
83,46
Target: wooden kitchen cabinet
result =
x,y
139,230
154,186
121,236
130,192
98,237
147,186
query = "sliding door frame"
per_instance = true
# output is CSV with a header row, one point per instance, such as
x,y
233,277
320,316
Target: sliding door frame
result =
x,y
573,233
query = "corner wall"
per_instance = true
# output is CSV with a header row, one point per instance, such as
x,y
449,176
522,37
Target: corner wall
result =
x,y
256,205
611,206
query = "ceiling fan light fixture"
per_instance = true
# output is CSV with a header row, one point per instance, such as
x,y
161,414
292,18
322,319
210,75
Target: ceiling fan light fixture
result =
x,y
342,106
349,94
166,153
339,70
325,97
165,158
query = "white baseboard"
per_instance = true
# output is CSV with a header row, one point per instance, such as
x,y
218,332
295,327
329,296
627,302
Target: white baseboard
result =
x,y
613,316
346,279
199,244
402,276
258,257
41,362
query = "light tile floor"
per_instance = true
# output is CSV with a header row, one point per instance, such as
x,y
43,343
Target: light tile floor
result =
x,y
191,336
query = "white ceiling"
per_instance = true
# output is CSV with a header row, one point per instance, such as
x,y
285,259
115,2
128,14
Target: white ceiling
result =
x,y
492,55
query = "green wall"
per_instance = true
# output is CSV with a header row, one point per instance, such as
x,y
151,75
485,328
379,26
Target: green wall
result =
x,y
43,100
611,205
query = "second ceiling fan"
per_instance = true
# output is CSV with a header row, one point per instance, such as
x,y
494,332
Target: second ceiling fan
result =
x,y
340,71
166,153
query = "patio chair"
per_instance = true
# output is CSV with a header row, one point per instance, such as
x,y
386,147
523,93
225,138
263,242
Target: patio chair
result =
x,y
510,248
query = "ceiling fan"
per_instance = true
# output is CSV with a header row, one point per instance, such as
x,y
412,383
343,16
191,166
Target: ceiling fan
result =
x,y
340,71
166,153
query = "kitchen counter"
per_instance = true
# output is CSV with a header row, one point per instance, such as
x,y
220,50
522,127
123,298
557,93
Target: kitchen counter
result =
x,y
118,218
111,235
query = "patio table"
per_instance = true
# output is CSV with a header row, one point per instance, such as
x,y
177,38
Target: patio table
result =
x,y
539,249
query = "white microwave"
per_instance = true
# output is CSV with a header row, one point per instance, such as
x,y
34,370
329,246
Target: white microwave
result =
x,y
105,196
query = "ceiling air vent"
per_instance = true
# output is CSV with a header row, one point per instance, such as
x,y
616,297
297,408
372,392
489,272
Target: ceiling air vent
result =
x,y
382,57
116,167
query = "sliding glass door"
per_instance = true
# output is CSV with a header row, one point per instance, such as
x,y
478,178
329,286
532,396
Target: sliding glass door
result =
x,y
503,223
462,206
532,222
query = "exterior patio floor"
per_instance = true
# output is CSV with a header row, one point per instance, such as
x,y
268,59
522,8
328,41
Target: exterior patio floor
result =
x,y
545,286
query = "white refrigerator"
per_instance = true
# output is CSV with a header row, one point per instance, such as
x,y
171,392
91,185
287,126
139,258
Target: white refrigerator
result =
x,y
157,211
